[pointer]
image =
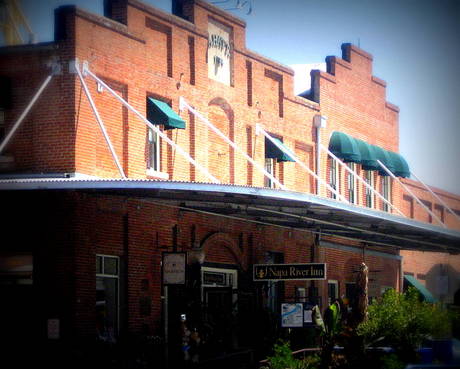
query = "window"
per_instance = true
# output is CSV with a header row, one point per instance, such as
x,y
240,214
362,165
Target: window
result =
x,y
333,176
350,293
153,143
107,296
270,168
384,289
351,183
332,291
369,178
386,192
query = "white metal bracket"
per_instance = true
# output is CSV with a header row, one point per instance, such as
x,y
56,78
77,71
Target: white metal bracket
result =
x,y
84,68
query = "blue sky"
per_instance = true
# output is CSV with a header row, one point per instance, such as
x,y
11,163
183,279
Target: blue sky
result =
x,y
416,49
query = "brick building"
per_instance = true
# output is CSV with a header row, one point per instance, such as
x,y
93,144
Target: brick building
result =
x,y
205,153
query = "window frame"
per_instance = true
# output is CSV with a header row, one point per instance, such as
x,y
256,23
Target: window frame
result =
x,y
368,194
334,176
336,284
111,276
385,184
270,167
351,184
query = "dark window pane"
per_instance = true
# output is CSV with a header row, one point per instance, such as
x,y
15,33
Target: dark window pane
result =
x,y
98,264
110,266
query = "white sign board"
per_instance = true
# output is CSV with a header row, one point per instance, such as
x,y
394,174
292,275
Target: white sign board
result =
x,y
174,268
292,315
219,52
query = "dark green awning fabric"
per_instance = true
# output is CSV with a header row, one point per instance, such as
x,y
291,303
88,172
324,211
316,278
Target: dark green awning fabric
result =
x,y
427,296
344,147
273,152
386,160
158,112
368,157
400,165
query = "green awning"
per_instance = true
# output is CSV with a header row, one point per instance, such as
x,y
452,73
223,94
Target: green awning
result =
x,y
273,152
400,165
368,157
344,147
427,296
384,157
158,112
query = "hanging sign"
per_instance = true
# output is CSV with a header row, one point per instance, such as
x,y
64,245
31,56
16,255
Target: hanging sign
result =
x,y
174,267
289,272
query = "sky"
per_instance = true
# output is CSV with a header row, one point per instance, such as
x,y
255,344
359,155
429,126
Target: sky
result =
x,y
415,45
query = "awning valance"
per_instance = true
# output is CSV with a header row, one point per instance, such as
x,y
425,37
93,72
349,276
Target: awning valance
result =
x,y
344,147
427,296
158,112
358,151
400,165
368,156
273,152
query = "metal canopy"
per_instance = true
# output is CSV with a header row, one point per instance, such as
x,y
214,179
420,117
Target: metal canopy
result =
x,y
267,206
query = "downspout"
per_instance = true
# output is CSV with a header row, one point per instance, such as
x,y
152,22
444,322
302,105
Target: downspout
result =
x,y
319,122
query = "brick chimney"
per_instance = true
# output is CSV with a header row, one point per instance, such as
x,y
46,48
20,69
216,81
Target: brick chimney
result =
x,y
183,9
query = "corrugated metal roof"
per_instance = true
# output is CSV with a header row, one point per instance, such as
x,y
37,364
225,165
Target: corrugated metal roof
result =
x,y
270,206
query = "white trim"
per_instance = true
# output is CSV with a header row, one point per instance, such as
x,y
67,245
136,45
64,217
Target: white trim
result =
x,y
184,105
410,193
351,178
368,190
291,154
362,180
232,272
112,276
86,70
155,173
437,197
100,122
29,106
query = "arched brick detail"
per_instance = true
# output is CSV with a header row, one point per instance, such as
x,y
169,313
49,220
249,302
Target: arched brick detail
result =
x,y
228,110
226,241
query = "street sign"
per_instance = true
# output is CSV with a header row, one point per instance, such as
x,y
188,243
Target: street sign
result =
x,y
289,272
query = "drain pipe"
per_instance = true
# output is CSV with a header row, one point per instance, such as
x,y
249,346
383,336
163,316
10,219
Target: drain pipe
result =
x,y
319,121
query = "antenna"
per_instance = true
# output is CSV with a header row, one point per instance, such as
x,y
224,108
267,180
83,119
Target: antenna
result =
x,y
240,5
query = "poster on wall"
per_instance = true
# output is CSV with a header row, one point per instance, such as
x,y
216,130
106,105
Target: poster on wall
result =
x,y
292,315
174,268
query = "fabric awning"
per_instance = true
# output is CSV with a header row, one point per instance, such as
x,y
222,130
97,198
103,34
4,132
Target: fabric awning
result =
x,y
158,112
344,147
427,296
351,149
273,152
368,157
400,165
385,159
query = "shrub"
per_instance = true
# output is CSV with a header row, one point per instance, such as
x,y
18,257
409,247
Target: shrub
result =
x,y
403,322
282,358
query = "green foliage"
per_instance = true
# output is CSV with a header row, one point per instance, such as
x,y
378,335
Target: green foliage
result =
x,y
330,326
282,358
332,319
391,361
403,321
